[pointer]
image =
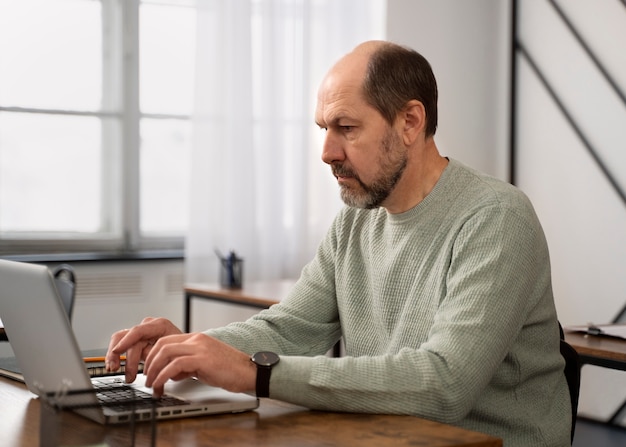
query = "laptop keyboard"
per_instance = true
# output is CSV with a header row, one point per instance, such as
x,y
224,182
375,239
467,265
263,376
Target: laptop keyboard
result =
x,y
118,396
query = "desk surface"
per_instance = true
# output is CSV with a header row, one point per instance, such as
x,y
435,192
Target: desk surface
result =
x,y
272,424
599,350
257,293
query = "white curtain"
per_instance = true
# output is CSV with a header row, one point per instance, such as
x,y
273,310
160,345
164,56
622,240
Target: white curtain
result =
x,y
258,185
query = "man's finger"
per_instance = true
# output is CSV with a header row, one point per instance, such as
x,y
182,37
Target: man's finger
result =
x,y
167,349
112,358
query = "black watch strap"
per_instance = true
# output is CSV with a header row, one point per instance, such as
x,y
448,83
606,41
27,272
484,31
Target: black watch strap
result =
x,y
264,362
263,375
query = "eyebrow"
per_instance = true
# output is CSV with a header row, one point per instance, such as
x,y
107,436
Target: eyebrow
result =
x,y
335,121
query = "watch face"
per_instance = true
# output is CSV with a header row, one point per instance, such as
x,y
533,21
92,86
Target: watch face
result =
x,y
265,358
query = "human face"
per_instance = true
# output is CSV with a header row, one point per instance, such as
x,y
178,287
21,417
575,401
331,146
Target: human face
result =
x,y
393,161
366,154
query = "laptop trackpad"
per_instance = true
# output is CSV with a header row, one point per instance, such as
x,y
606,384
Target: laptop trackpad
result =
x,y
194,390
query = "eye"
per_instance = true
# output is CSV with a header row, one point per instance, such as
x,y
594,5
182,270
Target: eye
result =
x,y
347,128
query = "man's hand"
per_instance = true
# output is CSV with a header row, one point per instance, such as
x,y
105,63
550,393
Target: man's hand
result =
x,y
170,354
197,355
137,344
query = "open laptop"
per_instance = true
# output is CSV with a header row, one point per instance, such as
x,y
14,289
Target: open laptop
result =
x,y
51,362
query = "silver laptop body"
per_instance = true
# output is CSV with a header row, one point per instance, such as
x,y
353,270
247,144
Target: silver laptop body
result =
x,y
50,359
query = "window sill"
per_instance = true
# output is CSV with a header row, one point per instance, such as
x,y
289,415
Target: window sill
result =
x,y
147,255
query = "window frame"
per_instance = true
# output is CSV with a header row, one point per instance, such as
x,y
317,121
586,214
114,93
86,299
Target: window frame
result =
x,y
121,103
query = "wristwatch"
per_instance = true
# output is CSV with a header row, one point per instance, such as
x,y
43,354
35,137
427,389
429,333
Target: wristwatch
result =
x,y
264,362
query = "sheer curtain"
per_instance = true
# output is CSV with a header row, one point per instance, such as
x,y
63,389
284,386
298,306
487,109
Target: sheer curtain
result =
x,y
258,185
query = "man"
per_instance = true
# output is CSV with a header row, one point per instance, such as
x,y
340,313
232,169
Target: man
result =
x,y
436,276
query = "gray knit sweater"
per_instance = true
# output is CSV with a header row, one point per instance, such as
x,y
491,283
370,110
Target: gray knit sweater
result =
x,y
446,312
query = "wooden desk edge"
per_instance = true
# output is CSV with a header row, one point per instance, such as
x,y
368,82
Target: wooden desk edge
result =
x,y
234,296
257,293
598,350
282,422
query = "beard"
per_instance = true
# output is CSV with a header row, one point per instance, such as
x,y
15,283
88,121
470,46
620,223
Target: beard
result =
x,y
392,164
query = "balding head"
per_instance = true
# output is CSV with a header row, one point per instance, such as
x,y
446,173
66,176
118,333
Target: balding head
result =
x,y
352,67
388,76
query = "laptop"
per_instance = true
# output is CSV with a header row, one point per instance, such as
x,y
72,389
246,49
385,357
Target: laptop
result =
x,y
51,362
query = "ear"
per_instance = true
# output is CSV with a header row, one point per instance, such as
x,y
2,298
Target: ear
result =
x,y
413,120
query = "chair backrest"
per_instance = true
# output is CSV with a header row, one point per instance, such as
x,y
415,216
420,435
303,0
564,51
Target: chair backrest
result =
x,y
65,280
572,374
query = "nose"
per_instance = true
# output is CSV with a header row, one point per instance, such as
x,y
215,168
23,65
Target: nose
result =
x,y
332,150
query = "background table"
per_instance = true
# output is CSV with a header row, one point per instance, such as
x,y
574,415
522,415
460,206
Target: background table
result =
x,y
600,350
609,352
273,424
257,294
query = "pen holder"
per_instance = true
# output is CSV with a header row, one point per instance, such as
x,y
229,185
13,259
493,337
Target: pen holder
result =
x,y
231,272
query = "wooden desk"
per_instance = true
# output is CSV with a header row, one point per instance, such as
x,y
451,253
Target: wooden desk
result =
x,y
258,294
598,350
272,424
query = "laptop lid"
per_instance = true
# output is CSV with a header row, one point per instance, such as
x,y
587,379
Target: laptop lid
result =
x,y
39,330
50,359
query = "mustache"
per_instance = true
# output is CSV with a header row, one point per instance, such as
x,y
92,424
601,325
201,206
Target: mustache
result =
x,y
340,170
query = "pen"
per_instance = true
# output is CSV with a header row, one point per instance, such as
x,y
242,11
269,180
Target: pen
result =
x,y
99,359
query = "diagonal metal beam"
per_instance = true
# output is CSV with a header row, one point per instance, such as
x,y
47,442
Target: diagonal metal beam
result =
x,y
590,53
607,173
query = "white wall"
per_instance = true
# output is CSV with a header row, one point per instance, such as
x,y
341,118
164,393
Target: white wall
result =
x,y
583,215
467,44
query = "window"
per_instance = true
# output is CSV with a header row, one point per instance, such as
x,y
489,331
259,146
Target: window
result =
x,y
95,130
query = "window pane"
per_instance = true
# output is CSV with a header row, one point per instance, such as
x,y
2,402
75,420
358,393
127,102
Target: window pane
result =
x,y
165,155
49,173
50,54
167,42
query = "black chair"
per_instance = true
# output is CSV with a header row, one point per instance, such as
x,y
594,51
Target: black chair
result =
x,y
65,281
572,374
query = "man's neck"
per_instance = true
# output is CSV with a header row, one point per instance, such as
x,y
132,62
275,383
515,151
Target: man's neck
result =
x,y
418,180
